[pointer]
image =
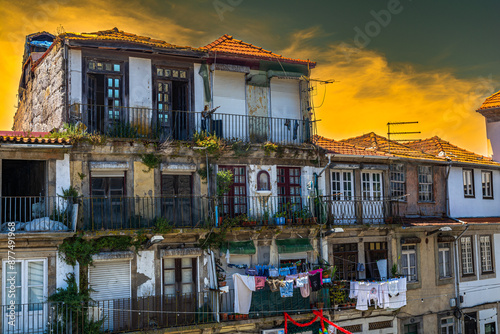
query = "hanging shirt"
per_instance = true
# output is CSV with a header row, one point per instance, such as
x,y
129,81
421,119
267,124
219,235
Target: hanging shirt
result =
x,y
399,300
301,281
284,271
243,287
373,293
363,292
383,298
353,289
305,290
260,282
275,284
315,281
273,272
287,290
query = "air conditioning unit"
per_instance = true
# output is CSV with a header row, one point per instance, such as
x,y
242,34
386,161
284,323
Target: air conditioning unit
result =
x,y
273,331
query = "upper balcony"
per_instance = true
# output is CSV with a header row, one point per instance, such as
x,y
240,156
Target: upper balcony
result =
x,y
128,122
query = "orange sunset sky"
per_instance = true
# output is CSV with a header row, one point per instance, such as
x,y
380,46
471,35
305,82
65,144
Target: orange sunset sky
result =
x,y
416,64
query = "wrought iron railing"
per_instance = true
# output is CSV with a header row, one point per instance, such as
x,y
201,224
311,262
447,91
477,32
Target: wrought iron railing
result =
x,y
344,210
135,122
266,303
37,213
117,213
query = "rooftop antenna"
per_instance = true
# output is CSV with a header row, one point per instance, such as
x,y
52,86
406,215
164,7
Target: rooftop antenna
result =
x,y
389,133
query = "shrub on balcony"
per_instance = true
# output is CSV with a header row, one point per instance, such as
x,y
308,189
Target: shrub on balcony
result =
x,y
215,145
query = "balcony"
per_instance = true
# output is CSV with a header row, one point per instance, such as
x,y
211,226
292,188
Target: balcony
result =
x,y
34,214
266,303
129,122
119,213
342,210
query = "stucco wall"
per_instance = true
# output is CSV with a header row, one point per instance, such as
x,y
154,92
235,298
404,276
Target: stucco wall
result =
x,y
42,106
62,270
461,206
140,90
145,273
75,76
63,179
285,98
493,134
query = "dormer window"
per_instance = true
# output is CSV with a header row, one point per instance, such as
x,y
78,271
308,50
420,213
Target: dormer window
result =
x,y
263,181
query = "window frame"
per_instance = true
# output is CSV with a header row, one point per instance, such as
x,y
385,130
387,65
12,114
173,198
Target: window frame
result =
x,y
406,251
468,183
447,325
380,251
490,195
472,264
445,265
284,191
492,269
368,191
393,172
341,191
345,257
425,196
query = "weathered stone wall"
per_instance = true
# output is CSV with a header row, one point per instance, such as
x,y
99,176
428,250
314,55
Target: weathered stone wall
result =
x,y
42,106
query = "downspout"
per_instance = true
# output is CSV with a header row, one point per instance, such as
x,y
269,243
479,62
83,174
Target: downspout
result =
x,y
457,287
447,189
316,177
66,73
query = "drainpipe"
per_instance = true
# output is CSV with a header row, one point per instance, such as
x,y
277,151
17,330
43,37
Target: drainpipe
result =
x,y
447,189
316,177
457,287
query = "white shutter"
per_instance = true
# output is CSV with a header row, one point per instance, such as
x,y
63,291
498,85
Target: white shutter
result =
x,y
110,280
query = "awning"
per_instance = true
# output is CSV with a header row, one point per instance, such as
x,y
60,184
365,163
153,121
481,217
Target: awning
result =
x,y
293,245
239,247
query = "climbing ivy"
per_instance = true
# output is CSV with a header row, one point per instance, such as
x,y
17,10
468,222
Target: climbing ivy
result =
x,y
151,160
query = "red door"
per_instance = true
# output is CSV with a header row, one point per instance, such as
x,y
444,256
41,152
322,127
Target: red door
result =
x,y
235,201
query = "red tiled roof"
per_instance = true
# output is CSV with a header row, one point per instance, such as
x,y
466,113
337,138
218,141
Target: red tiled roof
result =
x,y
337,147
375,142
491,102
429,221
19,137
228,45
116,35
441,148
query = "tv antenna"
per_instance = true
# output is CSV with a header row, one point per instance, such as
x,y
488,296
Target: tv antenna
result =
x,y
389,133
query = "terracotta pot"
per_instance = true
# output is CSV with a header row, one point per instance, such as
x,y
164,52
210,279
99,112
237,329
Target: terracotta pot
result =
x,y
245,316
320,306
224,316
223,283
299,221
289,221
230,316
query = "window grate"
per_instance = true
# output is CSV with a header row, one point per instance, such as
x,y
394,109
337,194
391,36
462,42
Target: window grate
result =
x,y
380,325
354,328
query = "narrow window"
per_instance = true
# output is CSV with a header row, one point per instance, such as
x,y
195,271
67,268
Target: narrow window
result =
x,y
468,176
485,249
409,262
466,252
487,184
345,258
447,326
425,188
289,188
235,201
263,182
444,259
398,182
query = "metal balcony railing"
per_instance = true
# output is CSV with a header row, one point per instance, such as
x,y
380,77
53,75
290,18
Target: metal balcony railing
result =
x,y
37,214
268,210
266,303
117,213
346,210
132,122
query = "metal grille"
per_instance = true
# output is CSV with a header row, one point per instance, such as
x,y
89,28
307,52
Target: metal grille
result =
x,y
380,325
354,328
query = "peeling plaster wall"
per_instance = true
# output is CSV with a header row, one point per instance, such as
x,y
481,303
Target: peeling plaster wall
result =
x,y
141,93
62,269
63,180
145,273
42,106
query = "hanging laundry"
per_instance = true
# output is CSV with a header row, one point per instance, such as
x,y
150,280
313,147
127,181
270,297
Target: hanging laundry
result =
x,y
260,282
353,289
273,272
383,298
237,266
243,287
305,290
292,278
315,281
284,271
275,284
251,272
397,293
287,290
302,280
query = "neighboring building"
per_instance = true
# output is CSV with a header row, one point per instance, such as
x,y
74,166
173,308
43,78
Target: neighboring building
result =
x,y
490,109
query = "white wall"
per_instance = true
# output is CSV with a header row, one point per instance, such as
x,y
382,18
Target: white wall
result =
x,y
285,98
145,268
140,89
481,291
199,89
485,317
493,134
62,269
63,180
75,76
461,206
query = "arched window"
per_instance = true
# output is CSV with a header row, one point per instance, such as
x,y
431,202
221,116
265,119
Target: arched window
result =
x,y
263,181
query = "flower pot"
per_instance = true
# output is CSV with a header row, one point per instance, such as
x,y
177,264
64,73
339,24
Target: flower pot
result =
x,y
222,283
245,316
320,305
224,316
230,316
280,220
289,221
299,221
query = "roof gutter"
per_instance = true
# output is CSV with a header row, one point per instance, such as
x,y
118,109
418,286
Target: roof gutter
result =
x,y
36,145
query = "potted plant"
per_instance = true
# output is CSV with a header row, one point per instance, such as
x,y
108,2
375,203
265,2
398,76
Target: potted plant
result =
x,y
279,217
224,316
265,218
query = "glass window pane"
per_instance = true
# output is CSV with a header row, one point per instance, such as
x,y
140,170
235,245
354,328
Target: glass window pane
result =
x,y
35,273
168,277
169,263
116,67
159,72
169,290
187,288
187,275
187,262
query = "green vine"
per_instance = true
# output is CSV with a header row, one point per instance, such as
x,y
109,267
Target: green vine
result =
x,y
224,181
240,149
202,172
280,151
151,160
162,226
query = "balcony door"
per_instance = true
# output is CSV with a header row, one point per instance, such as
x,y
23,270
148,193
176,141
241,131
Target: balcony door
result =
x,y
179,290
372,203
289,189
234,202
105,112
177,201
343,207
108,207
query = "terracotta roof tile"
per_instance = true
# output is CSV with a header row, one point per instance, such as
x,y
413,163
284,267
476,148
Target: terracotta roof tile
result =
x,y
441,148
375,142
428,221
228,45
481,220
17,137
114,35
491,102
337,147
